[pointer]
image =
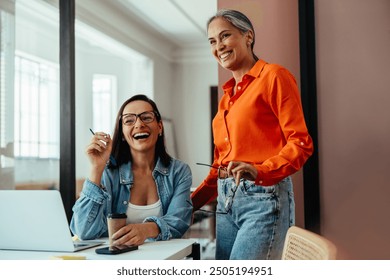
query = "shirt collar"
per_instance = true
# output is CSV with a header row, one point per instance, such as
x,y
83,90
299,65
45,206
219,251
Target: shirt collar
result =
x,y
126,176
254,72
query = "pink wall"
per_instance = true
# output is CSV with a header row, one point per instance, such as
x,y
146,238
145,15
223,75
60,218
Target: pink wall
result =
x,y
353,58
353,73
277,41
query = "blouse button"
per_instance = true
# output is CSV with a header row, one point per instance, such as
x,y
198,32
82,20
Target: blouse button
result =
x,y
239,87
302,143
226,139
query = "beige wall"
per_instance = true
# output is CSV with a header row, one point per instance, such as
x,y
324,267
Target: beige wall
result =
x,y
353,58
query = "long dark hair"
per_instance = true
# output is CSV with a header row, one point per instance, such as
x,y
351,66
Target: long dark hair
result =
x,y
238,20
121,150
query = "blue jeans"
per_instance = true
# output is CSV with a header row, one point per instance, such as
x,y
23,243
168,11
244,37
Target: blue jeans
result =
x,y
256,225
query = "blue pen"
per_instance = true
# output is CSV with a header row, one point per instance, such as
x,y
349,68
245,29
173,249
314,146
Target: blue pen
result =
x,y
112,159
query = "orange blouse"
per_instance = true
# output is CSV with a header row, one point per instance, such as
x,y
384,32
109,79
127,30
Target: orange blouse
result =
x,y
262,124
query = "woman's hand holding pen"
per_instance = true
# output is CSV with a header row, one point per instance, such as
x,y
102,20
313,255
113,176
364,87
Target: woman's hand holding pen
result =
x,y
99,149
242,170
98,152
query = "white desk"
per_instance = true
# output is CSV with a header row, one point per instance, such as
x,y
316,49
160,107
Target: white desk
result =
x,y
174,249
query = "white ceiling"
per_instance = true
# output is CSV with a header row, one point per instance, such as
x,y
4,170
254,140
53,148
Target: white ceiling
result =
x,y
183,22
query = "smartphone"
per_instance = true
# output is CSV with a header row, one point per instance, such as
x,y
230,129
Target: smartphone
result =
x,y
114,250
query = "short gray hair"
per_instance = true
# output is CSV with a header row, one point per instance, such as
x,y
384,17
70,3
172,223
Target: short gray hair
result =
x,y
238,20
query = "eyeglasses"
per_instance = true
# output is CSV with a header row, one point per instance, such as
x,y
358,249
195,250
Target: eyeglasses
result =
x,y
228,203
222,170
229,198
145,117
223,174
206,213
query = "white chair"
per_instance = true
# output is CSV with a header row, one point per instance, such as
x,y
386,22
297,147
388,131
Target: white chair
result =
x,y
302,244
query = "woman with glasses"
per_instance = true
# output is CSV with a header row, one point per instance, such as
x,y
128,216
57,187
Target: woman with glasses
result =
x,y
133,174
260,139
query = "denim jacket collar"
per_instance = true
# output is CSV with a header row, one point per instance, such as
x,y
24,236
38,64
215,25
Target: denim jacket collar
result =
x,y
126,177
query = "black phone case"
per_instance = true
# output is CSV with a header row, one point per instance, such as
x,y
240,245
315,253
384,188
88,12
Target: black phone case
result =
x,y
116,250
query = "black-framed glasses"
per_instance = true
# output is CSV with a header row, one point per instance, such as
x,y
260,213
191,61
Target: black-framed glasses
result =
x,y
206,213
228,203
229,198
222,170
145,117
223,174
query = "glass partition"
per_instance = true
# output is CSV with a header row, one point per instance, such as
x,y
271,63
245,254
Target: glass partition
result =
x,y
7,42
29,95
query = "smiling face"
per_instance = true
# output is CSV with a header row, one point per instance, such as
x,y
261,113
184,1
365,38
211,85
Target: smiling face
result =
x,y
140,136
230,47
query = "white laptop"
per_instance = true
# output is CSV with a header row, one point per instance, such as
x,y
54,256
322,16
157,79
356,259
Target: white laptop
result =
x,y
35,220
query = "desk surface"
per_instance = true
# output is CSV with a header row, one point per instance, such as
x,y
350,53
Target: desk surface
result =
x,y
174,249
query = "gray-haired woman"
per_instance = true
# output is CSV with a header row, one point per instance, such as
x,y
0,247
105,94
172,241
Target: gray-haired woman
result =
x,y
260,139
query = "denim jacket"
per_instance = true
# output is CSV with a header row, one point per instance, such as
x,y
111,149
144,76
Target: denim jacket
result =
x,y
95,203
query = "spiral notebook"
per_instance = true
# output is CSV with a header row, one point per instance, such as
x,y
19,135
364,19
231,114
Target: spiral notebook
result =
x,y
35,220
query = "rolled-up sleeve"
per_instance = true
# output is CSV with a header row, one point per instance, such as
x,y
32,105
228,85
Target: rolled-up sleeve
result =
x,y
89,212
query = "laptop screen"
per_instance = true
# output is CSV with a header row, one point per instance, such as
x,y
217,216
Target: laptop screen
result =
x,y
34,220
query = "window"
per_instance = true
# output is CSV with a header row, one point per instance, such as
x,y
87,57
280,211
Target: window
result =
x,y
6,90
36,108
104,106
3,33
